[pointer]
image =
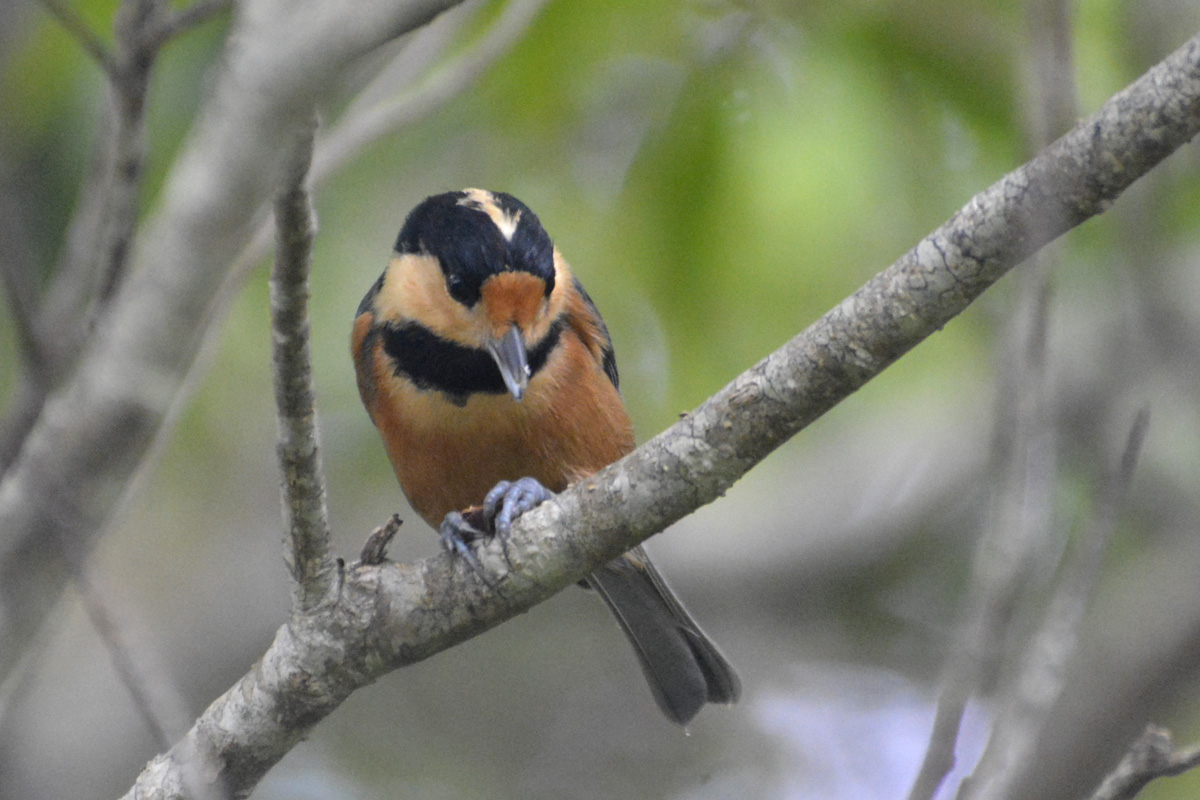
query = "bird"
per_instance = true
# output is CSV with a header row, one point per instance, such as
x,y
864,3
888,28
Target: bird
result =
x,y
490,376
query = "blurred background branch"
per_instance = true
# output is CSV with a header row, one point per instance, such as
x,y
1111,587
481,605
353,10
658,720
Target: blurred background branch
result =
x,y
1018,531
1040,674
92,435
1153,755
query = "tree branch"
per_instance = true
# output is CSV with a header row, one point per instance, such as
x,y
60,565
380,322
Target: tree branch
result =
x,y
305,517
1023,441
185,19
1152,756
17,276
155,699
103,227
391,615
1042,675
137,50
1015,530
361,126
396,107
75,25
95,430
106,217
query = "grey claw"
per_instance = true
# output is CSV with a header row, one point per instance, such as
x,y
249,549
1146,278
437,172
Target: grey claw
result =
x,y
509,500
456,532
504,503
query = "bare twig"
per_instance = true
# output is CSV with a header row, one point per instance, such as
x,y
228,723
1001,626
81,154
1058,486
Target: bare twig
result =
x,y
939,759
396,69
17,683
142,28
367,122
55,321
159,706
1051,85
185,19
1017,526
1152,756
306,519
21,414
117,194
391,615
374,551
1024,440
101,231
75,25
72,284
362,126
17,271
137,51
97,426
104,223
1040,681
16,275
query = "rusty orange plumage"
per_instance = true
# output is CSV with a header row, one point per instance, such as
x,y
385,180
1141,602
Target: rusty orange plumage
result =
x,y
481,359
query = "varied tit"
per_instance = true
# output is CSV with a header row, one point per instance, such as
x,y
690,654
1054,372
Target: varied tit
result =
x,y
491,377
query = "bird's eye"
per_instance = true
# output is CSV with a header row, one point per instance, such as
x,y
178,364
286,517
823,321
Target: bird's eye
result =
x,y
457,287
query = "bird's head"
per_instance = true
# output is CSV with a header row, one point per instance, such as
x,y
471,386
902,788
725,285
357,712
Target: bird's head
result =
x,y
475,268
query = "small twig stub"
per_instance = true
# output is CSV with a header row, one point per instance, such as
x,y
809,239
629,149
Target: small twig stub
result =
x,y
374,552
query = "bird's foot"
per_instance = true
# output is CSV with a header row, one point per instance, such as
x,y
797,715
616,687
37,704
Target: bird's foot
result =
x,y
504,503
458,532
510,499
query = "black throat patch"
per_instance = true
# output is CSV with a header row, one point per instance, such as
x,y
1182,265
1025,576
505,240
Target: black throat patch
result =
x,y
436,364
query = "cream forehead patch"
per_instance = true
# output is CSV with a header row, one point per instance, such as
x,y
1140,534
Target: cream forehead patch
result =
x,y
485,201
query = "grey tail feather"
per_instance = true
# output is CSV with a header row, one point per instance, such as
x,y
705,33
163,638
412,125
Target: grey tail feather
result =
x,y
683,666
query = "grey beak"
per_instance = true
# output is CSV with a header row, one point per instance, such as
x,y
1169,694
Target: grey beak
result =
x,y
509,354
